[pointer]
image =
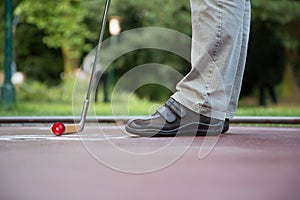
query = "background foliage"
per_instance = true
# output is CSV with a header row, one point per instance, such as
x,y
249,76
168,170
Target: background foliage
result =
x,y
52,37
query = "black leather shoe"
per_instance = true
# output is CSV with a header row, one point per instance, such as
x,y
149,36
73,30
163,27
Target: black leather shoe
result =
x,y
174,119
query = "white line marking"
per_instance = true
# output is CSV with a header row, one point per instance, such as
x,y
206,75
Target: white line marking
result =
x,y
44,129
58,138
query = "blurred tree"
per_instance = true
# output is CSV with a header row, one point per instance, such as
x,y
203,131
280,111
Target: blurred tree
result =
x,y
136,14
1,35
61,21
34,58
73,26
285,17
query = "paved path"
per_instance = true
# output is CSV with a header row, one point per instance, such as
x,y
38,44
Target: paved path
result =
x,y
252,163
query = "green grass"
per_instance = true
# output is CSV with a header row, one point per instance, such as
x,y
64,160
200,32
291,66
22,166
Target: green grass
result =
x,y
136,107
37,109
36,99
269,111
142,107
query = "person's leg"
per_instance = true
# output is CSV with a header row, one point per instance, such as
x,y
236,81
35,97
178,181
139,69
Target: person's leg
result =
x,y
97,90
216,49
104,80
238,77
202,96
273,94
262,96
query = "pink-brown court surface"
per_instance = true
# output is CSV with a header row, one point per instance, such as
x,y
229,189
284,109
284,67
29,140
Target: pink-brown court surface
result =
x,y
255,163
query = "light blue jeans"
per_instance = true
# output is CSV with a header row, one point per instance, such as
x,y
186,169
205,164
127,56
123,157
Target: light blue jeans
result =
x,y
219,47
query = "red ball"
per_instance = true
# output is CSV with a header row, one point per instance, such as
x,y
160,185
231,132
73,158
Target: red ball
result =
x,y
58,128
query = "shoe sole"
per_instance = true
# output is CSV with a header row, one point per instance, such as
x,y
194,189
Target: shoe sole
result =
x,y
184,130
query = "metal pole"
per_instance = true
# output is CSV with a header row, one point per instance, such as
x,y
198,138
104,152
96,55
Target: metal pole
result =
x,y
8,92
112,119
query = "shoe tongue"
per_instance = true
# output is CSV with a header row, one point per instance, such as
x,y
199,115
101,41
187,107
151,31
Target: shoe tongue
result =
x,y
167,114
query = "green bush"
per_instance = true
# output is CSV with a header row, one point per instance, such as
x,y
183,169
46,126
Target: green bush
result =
x,y
34,91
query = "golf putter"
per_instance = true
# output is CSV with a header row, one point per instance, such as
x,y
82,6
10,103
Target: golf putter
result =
x,y
58,128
